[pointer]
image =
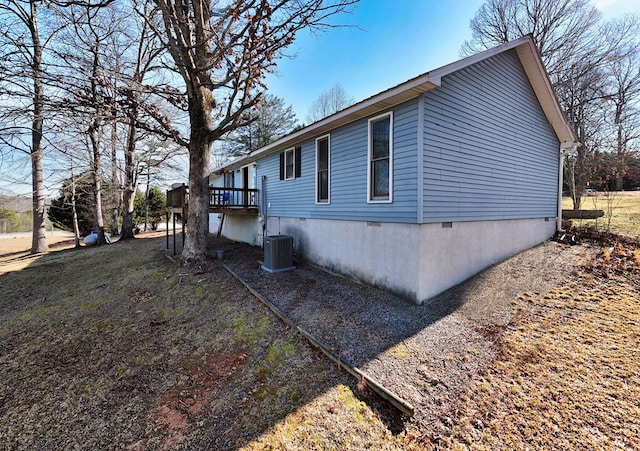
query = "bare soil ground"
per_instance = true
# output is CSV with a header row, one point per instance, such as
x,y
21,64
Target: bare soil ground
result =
x,y
18,243
117,347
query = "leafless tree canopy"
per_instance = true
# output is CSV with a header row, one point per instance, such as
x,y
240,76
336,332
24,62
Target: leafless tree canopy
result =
x,y
560,28
80,82
188,71
329,102
223,51
592,64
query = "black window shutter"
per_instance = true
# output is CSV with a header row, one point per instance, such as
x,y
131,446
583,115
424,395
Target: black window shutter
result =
x,y
282,166
298,151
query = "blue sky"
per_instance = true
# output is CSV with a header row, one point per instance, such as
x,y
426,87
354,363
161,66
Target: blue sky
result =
x,y
395,40
390,42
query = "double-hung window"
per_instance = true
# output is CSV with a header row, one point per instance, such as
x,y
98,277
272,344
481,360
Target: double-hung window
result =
x,y
380,170
290,163
322,170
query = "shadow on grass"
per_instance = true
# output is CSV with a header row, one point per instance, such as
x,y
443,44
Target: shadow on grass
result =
x,y
116,347
424,354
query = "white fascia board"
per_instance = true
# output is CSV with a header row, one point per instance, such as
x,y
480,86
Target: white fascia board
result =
x,y
541,84
366,108
476,58
379,103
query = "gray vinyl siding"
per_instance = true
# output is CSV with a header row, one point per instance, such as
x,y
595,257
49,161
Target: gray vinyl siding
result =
x,y
348,176
489,152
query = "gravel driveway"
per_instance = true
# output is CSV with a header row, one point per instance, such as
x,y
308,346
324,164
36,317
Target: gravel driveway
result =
x,y
425,354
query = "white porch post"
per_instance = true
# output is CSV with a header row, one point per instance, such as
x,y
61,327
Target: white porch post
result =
x,y
565,147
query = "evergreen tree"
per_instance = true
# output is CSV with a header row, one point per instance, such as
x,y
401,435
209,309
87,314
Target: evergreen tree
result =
x,y
270,121
148,211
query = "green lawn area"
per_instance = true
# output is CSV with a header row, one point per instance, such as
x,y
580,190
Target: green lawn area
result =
x,y
621,212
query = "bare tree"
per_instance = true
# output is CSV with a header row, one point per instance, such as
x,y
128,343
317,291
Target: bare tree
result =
x,y
576,47
22,65
117,50
330,101
139,104
580,92
622,93
116,192
561,29
23,44
91,61
222,51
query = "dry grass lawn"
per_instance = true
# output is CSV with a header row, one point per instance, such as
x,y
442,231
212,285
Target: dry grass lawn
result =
x,y
568,375
621,209
117,348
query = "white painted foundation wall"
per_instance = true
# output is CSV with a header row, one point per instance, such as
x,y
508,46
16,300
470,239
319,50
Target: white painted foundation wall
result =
x,y
416,261
244,228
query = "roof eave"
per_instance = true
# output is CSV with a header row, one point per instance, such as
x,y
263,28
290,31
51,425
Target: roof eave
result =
x,y
541,84
366,108
529,58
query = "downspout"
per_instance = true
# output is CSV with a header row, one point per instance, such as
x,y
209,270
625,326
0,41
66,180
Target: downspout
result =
x,y
565,147
263,206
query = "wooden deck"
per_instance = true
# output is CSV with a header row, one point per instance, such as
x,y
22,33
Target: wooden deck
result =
x,y
237,201
234,201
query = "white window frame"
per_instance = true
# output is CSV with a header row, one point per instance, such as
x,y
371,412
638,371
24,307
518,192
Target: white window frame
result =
x,y
328,200
370,198
291,152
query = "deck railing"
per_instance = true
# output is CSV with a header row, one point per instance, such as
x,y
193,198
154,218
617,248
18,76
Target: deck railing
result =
x,y
219,198
233,198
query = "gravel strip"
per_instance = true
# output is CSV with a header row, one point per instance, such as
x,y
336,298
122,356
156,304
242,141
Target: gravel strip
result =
x,y
426,354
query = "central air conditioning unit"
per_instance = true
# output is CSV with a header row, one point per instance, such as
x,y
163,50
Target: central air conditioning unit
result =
x,y
278,253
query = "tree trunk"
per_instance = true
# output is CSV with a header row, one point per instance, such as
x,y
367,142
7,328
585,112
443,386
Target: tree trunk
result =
x,y
39,236
74,211
130,182
116,196
146,199
581,168
98,220
197,221
621,154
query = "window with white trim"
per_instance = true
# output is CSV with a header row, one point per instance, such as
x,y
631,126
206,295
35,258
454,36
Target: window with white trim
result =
x,y
322,170
380,170
289,164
